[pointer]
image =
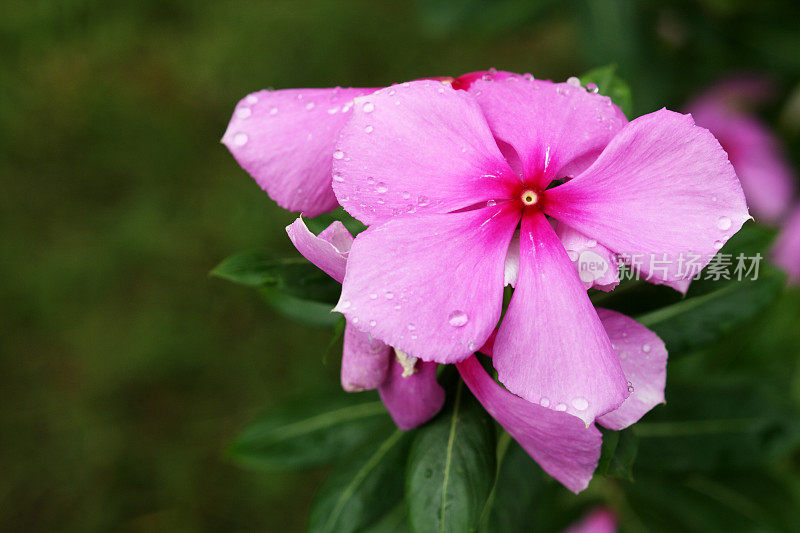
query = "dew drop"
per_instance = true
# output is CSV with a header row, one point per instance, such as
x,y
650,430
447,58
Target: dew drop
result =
x,y
491,203
338,154
471,346
592,88
244,112
355,320
392,92
423,201
251,99
338,177
580,404
411,327
406,195
724,223
372,323
646,348
240,139
273,111
544,402
368,129
458,319
381,187
389,295
561,407
591,243
368,107
373,296
397,307
573,255
574,81
310,106
718,244
630,387
346,304
333,110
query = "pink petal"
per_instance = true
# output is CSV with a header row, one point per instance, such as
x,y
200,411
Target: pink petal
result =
x,y
755,152
560,443
786,251
430,285
596,265
328,251
285,140
365,361
415,399
662,190
417,147
643,357
598,521
550,125
551,348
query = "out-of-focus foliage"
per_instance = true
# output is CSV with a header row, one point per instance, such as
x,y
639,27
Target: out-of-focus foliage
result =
x,y
125,370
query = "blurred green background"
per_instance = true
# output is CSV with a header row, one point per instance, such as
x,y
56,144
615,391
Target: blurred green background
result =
x,y
125,369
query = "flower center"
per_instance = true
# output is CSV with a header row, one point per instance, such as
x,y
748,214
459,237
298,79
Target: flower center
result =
x,y
529,197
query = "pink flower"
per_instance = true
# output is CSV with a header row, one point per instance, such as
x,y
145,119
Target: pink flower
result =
x,y
786,252
444,178
407,387
284,139
559,442
754,151
601,520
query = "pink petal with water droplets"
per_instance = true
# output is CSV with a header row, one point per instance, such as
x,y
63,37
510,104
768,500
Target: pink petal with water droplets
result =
x,y
415,399
430,285
596,265
328,251
551,347
285,140
560,443
414,148
662,190
552,126
643,357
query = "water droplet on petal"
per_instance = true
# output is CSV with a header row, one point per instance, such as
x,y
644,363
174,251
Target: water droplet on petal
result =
x,y
406,195
491,203
724,223
244,112
574,81
381,187
251,99
561,407
240,139
592,88
368,129
389,295
591,243
310,106
338,177
273,111
458,319
544,402
573,255
368,107
373,296
411,327
338,154
423,201
630,387
372,323
718,244
646,348
346,304
580,404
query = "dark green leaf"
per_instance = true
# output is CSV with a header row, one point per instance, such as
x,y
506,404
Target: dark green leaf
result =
x,y
609,84
717,425
700,320
309,432
618,453
294,276
319,223
512,503
451,467
362,489
306,311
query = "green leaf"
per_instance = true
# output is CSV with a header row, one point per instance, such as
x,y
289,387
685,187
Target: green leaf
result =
x,y
319,223
451,467
361,489
309,432
517,489
698,321
618,453
716,425
306,311
609,84
294,276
